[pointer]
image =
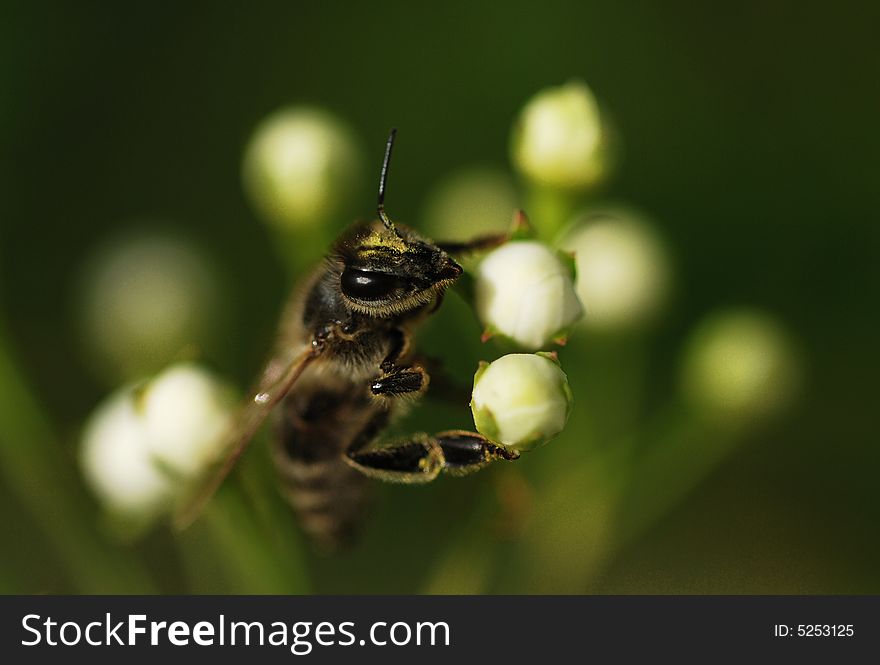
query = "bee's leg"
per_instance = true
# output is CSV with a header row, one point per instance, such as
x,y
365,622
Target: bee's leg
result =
x,y
478,244
401,381
417,461
397,379
484,242
465,452
399,346
490,241
423,457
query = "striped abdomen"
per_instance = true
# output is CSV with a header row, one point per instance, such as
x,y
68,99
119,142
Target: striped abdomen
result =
x,y
316,423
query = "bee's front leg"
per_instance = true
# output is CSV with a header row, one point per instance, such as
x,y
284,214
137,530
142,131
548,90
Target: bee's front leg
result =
x,y
478,244
423,457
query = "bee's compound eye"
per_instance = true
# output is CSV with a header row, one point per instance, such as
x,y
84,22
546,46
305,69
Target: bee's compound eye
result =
x,y
369,284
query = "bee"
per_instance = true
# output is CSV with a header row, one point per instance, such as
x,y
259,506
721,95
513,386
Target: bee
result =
x,y
343,367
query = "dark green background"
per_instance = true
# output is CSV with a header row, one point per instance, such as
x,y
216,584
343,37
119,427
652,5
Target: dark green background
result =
x,y
749,131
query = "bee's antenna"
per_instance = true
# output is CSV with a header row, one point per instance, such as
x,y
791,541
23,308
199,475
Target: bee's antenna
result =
x,y
383,180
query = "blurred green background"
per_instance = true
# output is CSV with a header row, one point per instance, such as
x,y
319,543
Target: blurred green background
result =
x,y
748,132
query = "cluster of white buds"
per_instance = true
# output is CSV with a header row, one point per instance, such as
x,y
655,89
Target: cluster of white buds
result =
x,y
521,400
300,167
740,365
623,268
144,443
559,140
525,291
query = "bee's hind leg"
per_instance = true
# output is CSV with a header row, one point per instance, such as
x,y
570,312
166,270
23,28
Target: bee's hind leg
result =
x,y
423,457
465,452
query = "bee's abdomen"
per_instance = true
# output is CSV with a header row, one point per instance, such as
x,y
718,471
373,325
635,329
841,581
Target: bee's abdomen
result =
x,y
314,430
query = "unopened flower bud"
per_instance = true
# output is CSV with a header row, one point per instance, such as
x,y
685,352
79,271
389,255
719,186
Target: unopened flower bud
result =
x,y
117,462
559,139
143,299
470,202
301,167
524,291
623,271
144,443
740,364
521,400
186,412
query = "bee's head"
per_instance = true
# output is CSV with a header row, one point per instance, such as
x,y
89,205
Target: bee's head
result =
x,y
386,270
389,271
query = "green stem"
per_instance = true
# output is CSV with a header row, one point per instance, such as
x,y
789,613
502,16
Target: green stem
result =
x,y
38,471
471,545
238,551
681,455
549,211
275,519
610,387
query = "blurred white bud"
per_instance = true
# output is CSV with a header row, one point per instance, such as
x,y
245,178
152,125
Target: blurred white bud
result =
x,y
524,291
143,299
470,202
144,443
559,139
301,167
740,364
117,462
521,400
623,268
185,412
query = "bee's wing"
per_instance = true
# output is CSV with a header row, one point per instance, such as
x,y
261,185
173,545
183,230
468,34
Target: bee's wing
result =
x,y
278,377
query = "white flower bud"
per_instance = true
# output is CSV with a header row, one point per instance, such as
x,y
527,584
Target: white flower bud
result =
x,y
524,291
470,202
521,400
186,412
116,459
301,167
142,300
740,364
623,271
558,140
145,442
